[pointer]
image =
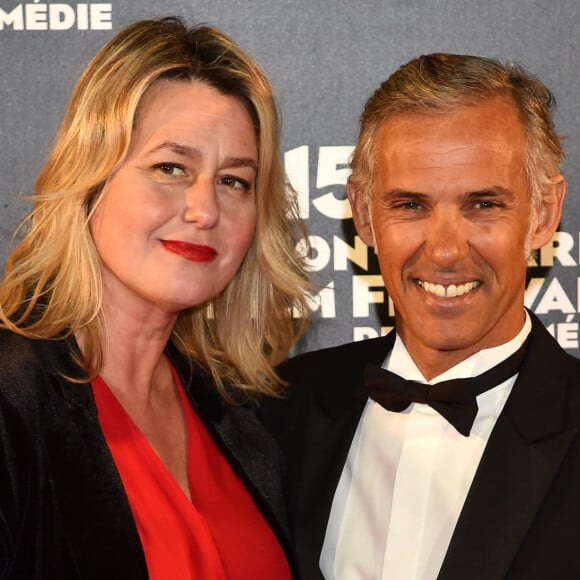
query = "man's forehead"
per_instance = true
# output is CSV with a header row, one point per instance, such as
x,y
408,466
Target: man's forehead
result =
x,y
470,149
495,119
468,108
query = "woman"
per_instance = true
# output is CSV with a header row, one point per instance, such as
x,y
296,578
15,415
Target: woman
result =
x,y
141,312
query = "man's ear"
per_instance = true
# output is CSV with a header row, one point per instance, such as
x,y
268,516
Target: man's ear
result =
x,y
549,213
361,214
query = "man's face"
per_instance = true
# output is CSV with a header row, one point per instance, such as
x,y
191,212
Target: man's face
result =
x,y
450,221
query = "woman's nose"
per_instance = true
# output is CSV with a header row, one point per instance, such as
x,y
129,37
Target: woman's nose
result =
x,y
201,203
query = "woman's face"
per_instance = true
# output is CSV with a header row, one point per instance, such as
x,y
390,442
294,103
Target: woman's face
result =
x,y
178,217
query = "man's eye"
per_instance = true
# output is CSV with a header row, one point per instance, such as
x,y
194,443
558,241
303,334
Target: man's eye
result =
x,y
485,204
410,205
172,169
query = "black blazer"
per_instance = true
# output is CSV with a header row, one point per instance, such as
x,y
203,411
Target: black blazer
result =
x,y
521,518
64,514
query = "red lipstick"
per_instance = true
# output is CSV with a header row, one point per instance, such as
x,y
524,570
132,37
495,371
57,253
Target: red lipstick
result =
x,y
192,252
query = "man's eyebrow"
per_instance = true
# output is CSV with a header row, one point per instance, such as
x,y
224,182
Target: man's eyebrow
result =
x,y
404,193
195,154
494,190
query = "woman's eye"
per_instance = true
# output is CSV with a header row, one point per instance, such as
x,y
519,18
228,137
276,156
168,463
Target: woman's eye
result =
x,y
234,182
172,169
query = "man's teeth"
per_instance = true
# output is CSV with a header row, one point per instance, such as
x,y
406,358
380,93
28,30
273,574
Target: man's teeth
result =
x,y
450,291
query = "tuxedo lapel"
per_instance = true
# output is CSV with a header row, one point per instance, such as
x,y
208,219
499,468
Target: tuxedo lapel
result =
x,y
329,440
333,400
519,463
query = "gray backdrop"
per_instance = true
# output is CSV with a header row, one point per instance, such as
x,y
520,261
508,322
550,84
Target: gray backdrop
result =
x,y
324,57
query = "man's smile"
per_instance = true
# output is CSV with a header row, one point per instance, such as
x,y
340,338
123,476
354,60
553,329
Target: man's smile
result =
x,y
449,291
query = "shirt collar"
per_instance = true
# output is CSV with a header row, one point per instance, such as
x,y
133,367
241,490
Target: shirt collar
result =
x,y
400,362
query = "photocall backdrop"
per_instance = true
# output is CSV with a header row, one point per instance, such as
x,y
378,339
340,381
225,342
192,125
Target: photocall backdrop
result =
x,y
324,58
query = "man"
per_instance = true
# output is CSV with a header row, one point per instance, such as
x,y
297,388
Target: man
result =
x,y
455,180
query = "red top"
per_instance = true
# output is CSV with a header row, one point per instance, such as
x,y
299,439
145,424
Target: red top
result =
x,y
219,534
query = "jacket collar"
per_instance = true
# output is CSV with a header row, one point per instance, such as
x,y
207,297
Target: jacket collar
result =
x,y
234,426
534,407
57,357
523,454
243,440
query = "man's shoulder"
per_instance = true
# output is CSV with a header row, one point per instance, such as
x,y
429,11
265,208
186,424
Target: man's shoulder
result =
x,y
574,363
356,348
546,352
327,381
336,362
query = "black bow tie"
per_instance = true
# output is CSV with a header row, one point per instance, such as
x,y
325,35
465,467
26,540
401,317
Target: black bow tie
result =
x,y
455,399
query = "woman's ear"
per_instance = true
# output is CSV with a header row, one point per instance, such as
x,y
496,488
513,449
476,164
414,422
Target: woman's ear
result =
x,y
361,213
548,215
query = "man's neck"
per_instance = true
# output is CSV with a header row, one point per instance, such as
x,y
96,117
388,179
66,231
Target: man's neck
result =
x,y
433,362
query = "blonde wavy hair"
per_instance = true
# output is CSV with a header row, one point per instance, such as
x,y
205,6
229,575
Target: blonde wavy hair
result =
x,y
52,285
440,83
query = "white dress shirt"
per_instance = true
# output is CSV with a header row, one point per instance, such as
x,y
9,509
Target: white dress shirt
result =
x,y
406,478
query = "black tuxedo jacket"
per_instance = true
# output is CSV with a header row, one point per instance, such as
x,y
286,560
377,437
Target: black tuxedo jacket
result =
x,y
521,518
64,514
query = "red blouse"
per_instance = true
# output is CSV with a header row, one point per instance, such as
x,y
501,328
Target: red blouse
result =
x,y
219,534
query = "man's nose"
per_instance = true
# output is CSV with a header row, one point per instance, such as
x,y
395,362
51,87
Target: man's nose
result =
x,y
201,204
447,237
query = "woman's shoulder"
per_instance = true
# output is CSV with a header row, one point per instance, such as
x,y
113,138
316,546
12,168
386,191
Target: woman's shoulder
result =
x,y
17,350
27,364
21,398
18,354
